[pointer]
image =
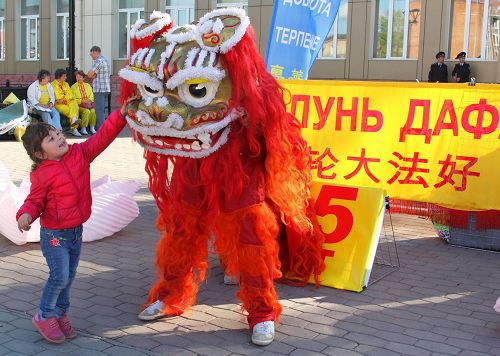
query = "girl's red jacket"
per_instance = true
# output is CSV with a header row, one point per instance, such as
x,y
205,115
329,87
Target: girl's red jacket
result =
x,y
60,190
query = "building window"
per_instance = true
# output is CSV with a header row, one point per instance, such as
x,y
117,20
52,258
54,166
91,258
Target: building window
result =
x,y
335,43
475,28
181,11
397,30
2,29
129,12
62,30
233,3
30,39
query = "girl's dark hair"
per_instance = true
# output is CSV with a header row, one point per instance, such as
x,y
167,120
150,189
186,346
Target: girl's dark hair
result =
x,y
42,74
59,73
32,140
80,72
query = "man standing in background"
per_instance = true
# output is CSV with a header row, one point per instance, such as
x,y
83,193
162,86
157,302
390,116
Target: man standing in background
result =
x,y
439,70
101,85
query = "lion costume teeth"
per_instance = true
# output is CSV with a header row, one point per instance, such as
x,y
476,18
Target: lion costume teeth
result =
x,y
224,157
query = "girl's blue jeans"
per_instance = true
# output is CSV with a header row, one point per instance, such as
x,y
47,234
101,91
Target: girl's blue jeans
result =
x,y
61,249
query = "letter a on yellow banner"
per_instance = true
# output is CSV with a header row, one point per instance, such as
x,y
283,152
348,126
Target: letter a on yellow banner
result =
x,y
351,218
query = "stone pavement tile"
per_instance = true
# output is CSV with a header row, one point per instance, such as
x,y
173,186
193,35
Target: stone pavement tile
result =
x,y
177,340
437,347
25,335
296,331
326,330
466,320
335,341
242,348
382,325
304,352
305,344
469,345
454,333
424,335
298,321
86,341
405,349
374,351
124,351
316,319
26,347
5,328
333,351
396,337
277,348
364,339
140,341
354,327
476,353
207,350
493,341
4,350
204,338
171,350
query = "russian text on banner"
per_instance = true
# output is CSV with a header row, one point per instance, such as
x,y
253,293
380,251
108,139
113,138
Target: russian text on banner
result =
x,y
428,142
298,30
351,218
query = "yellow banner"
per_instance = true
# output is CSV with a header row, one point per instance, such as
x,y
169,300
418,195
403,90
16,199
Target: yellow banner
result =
x,y
351,218
429,142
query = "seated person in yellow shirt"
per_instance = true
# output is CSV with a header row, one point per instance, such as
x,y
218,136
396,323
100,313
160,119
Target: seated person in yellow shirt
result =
x,y
65,103
84,96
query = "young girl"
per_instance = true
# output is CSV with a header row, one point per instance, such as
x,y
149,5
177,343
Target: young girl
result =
x,y
60,195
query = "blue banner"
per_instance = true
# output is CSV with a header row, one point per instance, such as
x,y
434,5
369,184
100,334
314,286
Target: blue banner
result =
x,y
298,30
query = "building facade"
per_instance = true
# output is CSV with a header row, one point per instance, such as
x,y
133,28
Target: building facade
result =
x,y
370,40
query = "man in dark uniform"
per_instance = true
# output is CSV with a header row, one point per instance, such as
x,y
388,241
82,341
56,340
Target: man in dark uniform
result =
x,y
461,72
439,70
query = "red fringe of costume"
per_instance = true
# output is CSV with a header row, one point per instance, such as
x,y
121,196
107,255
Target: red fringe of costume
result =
x,y
247,258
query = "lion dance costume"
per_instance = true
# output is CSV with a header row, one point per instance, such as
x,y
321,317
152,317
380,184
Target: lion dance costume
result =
x,y
222,156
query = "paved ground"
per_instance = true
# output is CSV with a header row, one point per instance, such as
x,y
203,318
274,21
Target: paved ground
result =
x,y
439,302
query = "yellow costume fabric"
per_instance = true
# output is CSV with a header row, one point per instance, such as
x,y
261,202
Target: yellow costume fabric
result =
x,y
81,92
70,109
45,97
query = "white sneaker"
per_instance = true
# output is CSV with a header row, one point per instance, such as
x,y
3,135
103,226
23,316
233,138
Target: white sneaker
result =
x,y
263,333
153,312
92,129
230,280
83,131
76,133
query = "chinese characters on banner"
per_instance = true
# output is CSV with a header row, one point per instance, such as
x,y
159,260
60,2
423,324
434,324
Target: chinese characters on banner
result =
x,y
424,142
298,30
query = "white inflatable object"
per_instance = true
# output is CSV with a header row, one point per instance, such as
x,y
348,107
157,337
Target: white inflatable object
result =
x,y
113,208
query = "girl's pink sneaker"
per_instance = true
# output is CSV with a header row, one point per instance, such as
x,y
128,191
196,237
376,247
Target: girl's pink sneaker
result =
x,y
66,327
49,329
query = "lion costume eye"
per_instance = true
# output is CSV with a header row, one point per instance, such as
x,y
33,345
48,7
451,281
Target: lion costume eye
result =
x,y
147,91
198,94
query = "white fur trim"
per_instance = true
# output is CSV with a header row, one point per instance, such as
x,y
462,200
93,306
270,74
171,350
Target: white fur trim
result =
x,y
148,101
151,29
210,73
201,58
218,26
190,57
193,154
162,102
155,128
140,78
134,57
163,58
174,120
181,37
211,61
136,26
148,57
231,42
155,15
141,56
